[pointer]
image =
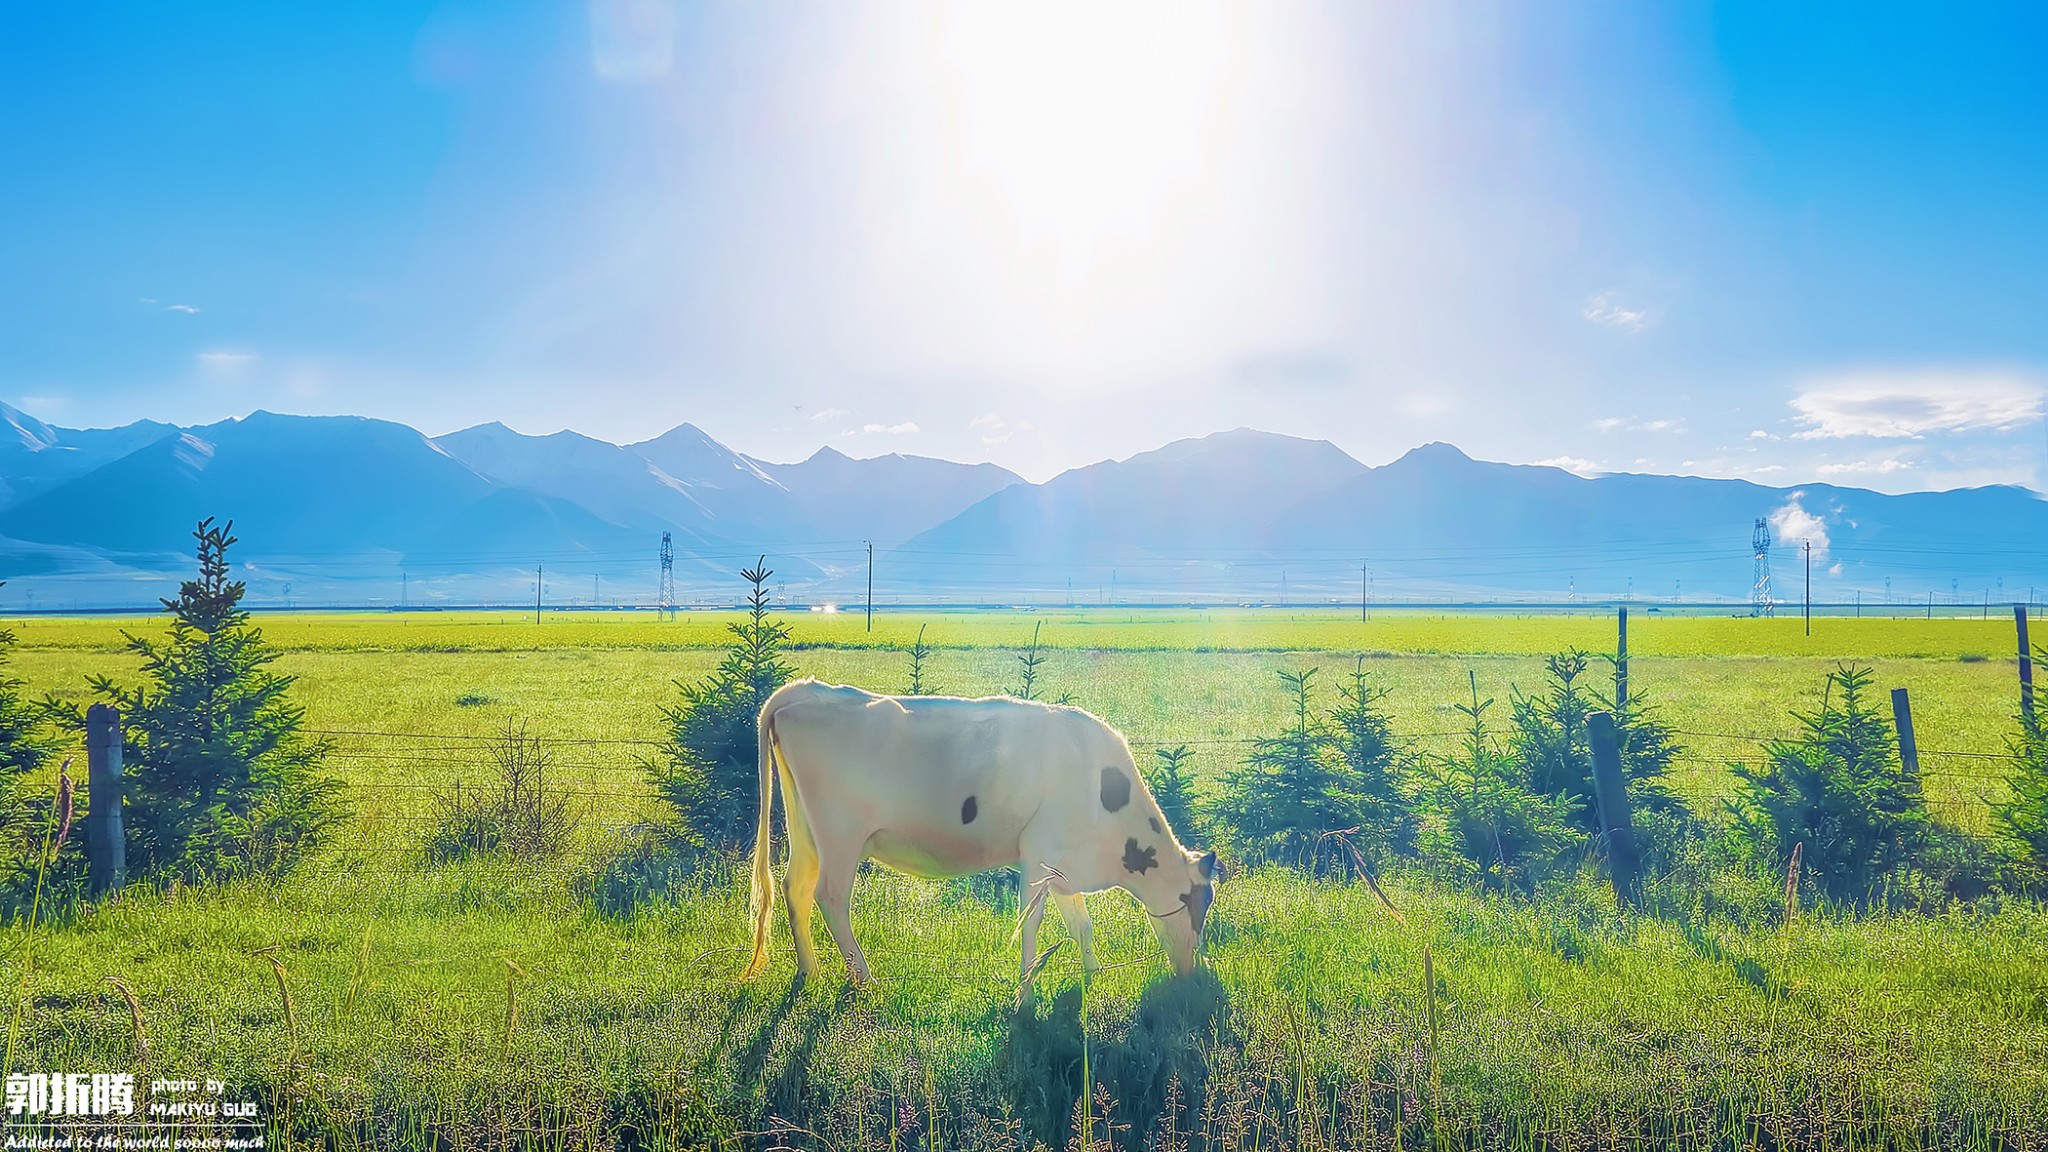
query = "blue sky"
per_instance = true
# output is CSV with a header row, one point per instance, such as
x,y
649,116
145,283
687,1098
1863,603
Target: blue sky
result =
x,y
1731,240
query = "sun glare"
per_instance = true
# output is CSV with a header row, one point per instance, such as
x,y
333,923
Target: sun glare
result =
x,y
1085,181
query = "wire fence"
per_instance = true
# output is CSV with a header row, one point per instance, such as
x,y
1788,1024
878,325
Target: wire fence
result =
x,y
613,776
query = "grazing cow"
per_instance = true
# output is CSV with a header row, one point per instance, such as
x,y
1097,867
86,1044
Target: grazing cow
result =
x,y
942,786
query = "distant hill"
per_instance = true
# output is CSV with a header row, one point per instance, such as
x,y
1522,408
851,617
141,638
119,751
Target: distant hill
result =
x,y
1258,517
886,499
35,456
359,511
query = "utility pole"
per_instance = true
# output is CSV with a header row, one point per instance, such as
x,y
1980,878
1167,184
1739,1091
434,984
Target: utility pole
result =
x,y
1809,586
593,591
536,593
871,585
404,589
1364,594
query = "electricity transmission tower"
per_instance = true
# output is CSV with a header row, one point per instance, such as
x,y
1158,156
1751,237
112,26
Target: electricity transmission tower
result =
x,y
1760,589
668,578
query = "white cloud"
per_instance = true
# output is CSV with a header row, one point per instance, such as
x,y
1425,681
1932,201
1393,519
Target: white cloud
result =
x,y
1872,467
989,420
1576,464
1631,424
225,358
1793,524
1603,309
830,413
891,429
1911,406
1835,569
1760,434
1768,468
187,309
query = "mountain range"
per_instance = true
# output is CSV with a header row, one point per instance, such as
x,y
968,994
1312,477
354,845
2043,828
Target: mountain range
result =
x,y
357,511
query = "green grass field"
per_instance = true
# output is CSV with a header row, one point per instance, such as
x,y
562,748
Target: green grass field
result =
x,y
484,1005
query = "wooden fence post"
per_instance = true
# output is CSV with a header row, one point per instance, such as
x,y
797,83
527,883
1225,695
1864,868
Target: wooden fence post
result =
x,y
1909,749
106,850
2019,619
1610,794
1621,665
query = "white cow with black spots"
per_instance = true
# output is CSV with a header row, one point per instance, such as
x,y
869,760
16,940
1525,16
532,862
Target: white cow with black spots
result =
x,y
943,786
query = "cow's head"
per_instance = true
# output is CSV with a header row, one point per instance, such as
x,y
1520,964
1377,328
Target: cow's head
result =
x,y
1180,928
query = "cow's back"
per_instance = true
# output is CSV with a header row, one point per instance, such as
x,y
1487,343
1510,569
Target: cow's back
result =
x,y
940,783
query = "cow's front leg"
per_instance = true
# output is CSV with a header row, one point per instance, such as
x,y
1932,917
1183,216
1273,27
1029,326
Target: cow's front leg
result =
x,y
1034,910
1074,911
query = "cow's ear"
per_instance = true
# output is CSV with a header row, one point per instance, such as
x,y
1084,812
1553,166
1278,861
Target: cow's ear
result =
x,y
1212,871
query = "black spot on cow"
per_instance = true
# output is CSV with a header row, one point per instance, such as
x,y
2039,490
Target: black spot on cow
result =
x,y
967,810
1116,788
1154,822
1137,861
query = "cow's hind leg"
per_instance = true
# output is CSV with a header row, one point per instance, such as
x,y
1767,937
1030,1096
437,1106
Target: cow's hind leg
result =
x,y
1074,911
800,883
835,900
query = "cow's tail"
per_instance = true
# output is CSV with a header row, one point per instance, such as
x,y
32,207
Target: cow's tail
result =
x,y
761,904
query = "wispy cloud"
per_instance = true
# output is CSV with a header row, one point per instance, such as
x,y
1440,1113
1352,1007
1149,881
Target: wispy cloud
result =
x,y
829,413
891,429
1867,467
1577,464
187,309
1604,309
220,358
1631,424
1760,434
993,428
1909,407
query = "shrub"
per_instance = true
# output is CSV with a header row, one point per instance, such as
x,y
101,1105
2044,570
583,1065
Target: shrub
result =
x,y
707,769
1363,737
516,813
2023,815
29,846
1838,789
222,779
646,865
1028,662
1173,789
919,653
1553,750
1481,822
1292,789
